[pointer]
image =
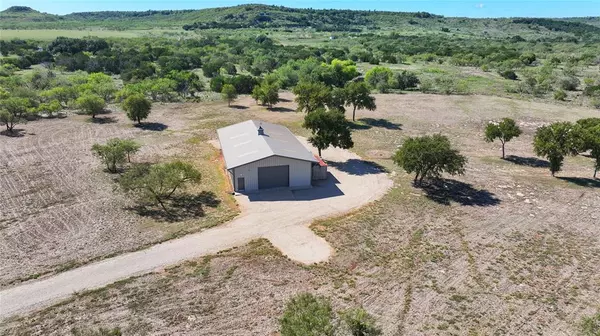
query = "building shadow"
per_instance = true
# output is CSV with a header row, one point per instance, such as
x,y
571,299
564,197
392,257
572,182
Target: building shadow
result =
x,y
381,123
320,190
281,109
152,126
16,133
103,120
358,167
527,161
238,107
582,181
446,191
180,207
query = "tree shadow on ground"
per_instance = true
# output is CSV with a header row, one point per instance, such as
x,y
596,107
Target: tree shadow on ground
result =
x,y
381,123
181,207
582,181
152,126
284,100
103,120
446,191
16,133
281,109
528,161
238,107
358,167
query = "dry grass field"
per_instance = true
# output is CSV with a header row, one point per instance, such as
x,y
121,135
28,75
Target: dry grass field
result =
x,y
505,249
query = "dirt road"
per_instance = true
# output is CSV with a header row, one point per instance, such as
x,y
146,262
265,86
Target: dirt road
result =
x,y
281,216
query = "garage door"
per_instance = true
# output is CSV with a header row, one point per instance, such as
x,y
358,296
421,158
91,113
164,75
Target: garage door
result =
x,y
273,177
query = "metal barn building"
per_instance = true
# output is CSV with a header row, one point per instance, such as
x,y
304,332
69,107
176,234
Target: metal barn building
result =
x,y
260,155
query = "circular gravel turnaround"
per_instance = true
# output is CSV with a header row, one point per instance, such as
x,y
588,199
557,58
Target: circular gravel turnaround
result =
x,y
282,216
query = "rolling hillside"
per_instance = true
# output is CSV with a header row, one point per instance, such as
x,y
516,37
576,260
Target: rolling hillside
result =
x,y
276,17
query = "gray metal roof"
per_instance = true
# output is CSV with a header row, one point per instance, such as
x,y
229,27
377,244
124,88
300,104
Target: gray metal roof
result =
x,y
241,143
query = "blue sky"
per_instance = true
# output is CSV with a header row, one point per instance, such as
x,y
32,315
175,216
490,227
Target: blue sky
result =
x,y
468,8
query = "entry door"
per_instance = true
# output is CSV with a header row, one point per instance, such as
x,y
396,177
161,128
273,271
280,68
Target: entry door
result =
x,y
273,177
241,184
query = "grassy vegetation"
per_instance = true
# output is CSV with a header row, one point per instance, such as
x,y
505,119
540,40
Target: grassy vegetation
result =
x,y
51,34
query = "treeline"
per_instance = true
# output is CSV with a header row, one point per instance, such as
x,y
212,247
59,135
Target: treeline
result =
x,y
577,28
320,20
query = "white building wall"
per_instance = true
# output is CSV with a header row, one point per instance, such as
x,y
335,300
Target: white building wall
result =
x,y
300,172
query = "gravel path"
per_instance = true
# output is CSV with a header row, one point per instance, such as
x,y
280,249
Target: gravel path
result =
x,y
281,216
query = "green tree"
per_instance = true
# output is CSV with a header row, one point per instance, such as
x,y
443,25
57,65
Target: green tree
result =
x,y
49,108
329,128
591,140
307,315
339,72
504,131
187,82
64,94
99,84
113,154
229,93
360,323
359,96
91,104
267,93
14,111
157,183
137,107
130,147
429,156
557,140
379,78
311,96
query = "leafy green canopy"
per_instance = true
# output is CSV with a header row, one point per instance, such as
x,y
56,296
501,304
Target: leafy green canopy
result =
x,y
591,140
229,93
137,107
14,110
557,140
157,183
91,104
504,131
115,152
358,95
429,156
329,128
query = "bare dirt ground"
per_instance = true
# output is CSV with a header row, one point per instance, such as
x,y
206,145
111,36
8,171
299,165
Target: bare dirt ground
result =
x,y
58,208
504,250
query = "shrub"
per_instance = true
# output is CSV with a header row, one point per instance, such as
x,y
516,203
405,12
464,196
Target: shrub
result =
x,y
379,78
307,315
560,95
405,80
508,74
568,83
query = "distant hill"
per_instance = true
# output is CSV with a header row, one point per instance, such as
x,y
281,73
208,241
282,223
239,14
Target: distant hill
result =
x,y
25,14
278,17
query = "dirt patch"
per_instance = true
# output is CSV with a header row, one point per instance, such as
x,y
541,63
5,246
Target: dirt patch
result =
x,y
60,209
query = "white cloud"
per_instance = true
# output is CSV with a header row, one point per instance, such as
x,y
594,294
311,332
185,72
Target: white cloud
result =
x,y
480,5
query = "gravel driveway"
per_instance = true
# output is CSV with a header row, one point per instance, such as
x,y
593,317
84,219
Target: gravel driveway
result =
x,y
282,216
